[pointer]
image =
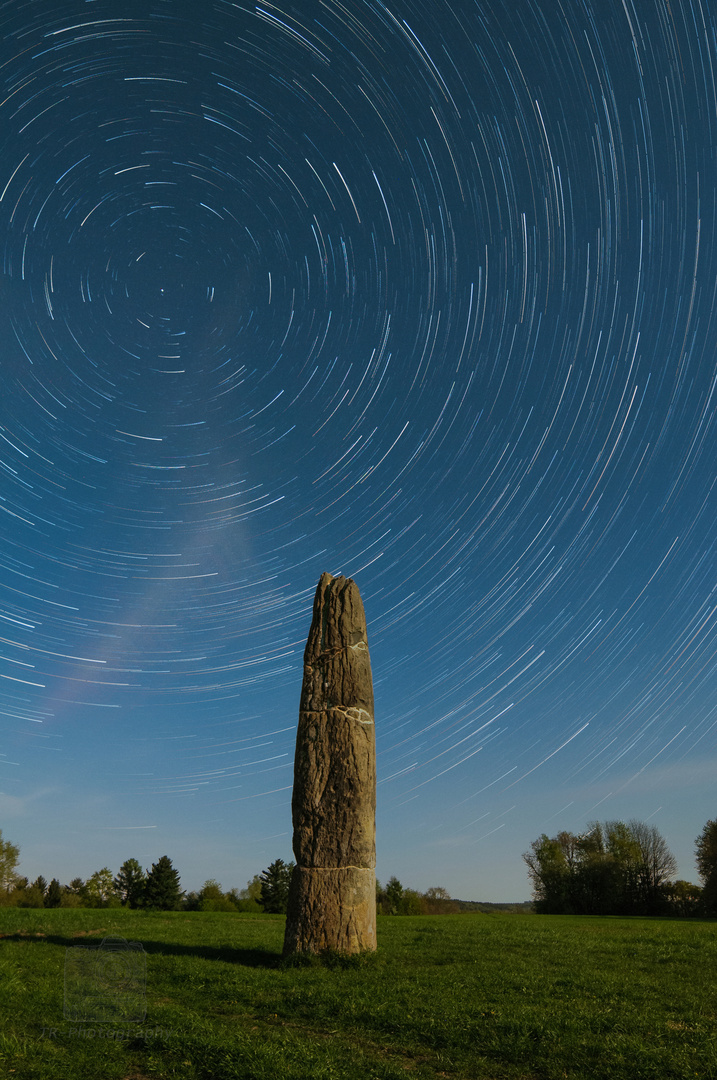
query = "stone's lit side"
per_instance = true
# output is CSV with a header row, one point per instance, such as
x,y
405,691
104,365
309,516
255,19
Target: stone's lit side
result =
x,y
332,898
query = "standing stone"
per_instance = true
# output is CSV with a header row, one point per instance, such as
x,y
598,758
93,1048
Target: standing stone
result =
x,y
332,896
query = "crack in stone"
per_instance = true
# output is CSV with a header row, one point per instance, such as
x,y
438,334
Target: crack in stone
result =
x,y
335,869
362,646
346,711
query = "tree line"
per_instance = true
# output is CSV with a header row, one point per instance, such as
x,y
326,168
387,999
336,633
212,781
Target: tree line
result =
x,y
614,868
159,889
133,887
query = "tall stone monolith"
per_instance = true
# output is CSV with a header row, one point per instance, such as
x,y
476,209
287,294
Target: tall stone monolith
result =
x,y
332,897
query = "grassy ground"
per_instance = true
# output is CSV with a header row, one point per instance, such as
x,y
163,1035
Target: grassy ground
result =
x,y
496,997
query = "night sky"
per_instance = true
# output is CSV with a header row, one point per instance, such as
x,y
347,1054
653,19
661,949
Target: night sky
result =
x,y
419,292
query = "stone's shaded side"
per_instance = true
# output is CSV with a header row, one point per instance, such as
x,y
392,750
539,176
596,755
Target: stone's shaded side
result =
x,y
332,899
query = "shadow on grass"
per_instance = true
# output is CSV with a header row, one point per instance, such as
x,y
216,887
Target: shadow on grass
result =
x,y
255,958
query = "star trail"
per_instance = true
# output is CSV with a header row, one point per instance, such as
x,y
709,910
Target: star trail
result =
x,y
418,292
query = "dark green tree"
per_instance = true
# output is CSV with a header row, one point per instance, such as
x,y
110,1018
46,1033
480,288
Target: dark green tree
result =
x,y
275,887
130,883
394,895
706,853
623,896
595,886
41,884
162,891
53,896
551,864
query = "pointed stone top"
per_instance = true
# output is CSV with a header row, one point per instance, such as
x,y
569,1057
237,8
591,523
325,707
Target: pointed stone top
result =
x,y
327,579
337,668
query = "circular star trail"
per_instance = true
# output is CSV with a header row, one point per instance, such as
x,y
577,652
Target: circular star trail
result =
x,y
422,293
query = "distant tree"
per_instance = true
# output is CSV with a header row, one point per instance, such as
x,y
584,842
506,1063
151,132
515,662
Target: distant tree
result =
x,y
252,890
98,891
53,896
623,857
550,872
683,898
437,901
394,895
162,891
610,869
595,886
437,892
211,898
275,887
211,890
9,858
73,895
29,896
656,865
40,884
247,899
412,902
70,899
706,850
18,895
394,899
130,883
706,853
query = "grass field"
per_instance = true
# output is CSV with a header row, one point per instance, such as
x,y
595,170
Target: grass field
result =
x,y
494,996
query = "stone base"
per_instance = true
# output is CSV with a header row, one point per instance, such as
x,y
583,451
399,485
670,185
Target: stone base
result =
x,y
331,909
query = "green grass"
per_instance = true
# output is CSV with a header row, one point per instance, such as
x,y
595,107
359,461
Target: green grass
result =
x,y
493,996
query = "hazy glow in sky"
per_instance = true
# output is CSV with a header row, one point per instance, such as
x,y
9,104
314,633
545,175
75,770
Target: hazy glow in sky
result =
x,y
421,293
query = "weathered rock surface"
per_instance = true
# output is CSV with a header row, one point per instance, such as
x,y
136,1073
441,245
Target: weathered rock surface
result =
x,y
331,909
332,900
